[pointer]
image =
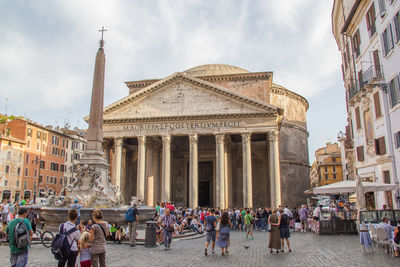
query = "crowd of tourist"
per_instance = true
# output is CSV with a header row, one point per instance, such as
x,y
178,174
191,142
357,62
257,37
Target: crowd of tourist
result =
x,y
87,239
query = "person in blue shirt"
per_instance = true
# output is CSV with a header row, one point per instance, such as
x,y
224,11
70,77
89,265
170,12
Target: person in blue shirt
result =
x,y
77,206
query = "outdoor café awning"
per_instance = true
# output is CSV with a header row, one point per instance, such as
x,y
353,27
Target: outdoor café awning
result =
x,y
350,187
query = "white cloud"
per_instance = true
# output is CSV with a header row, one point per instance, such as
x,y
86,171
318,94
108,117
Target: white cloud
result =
x,y
48,48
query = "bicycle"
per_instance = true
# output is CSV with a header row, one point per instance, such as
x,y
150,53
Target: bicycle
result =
x,y
45,237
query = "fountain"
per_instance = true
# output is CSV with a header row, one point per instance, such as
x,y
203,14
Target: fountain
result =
x,y
92,185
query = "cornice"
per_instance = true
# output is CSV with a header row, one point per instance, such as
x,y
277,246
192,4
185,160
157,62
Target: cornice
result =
x,y
294,126
280,90
194,117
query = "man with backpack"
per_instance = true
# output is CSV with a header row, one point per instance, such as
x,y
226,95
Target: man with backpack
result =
x,y
20,234
132,218
66,243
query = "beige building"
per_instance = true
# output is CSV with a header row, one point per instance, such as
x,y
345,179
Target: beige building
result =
x,y
213,135
327,167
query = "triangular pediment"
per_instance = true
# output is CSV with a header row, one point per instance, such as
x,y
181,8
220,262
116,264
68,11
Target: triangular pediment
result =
x,y
180,95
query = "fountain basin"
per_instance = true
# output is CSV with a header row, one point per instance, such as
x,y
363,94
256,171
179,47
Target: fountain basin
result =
x,y
54,216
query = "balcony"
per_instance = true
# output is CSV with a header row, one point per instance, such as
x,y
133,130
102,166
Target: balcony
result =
x,y
352,91
372,74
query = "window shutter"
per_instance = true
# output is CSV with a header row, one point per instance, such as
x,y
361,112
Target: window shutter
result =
x,y
358,119
377,104
382,145
396,22
360,153
390,37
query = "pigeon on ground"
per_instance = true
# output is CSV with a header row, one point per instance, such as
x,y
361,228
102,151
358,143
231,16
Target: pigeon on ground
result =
x,y
246,247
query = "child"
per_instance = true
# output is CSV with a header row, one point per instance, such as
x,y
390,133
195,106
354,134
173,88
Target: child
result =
x,y
120,234
85,258
113,231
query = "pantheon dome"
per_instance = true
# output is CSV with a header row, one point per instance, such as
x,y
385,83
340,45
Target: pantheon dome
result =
x,y
214,135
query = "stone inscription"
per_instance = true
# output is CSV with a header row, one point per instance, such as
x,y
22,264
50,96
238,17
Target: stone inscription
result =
x,y
181,125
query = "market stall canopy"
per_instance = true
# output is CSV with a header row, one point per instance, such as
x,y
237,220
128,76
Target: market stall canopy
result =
x,y
350,187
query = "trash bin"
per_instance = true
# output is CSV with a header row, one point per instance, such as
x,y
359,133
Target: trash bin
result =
x,y
150,236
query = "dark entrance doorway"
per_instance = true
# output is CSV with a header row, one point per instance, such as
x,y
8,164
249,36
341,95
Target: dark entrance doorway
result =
x,y
205,183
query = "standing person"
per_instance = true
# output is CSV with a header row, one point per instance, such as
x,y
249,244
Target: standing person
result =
x,y
284,230
223,233
132,218
210,223
316,215
248,219
168,222
4,212
73,237
274,235
303,214
32,217
19,255
98,235
84,253
77,205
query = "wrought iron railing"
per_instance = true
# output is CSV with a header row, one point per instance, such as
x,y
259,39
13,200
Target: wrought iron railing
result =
x,y
372,74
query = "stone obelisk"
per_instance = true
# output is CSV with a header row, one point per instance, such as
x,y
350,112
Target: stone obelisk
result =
x,y
94,150
92,184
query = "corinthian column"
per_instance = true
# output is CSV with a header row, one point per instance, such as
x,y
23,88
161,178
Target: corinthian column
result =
x,y
118,142
166,169
220,183
274,169
247,175
141,169
193,172
149,189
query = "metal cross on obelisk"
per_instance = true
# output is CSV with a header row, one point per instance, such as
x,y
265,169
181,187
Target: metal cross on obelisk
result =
x,y
102,32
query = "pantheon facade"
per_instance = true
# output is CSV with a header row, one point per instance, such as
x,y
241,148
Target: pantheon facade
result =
x,y
214,135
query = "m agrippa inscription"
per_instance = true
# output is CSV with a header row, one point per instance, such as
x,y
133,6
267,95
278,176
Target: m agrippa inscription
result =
x,y
205,125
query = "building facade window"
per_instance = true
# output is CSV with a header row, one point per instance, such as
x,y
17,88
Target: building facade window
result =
x,y
358,117
377,105
34,185
360,153
38,135
40,179
326,176
8,155
334,176
35,173
29,132
326,169
27,158
44,137
5,182
19,171
17,183
396,23
42,164
334,168
371,20
47,179
397,139
55,180
394,88
25,184
382,7
7,169
380,147
26,171
356,41
387,39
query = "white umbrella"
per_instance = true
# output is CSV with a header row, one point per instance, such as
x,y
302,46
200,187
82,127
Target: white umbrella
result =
x,y
350,187
361,205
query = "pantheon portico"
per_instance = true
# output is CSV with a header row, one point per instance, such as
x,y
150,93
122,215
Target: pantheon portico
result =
x,y
214,135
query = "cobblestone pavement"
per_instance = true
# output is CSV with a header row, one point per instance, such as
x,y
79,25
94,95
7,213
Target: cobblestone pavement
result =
x,y
308,250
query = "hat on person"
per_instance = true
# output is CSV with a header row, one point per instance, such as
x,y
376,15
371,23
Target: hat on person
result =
x,y
76,200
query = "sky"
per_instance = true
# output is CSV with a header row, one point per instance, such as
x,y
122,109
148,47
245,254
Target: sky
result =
x,y
48,47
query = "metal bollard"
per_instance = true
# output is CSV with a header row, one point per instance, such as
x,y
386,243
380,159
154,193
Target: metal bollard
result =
x,y
150,237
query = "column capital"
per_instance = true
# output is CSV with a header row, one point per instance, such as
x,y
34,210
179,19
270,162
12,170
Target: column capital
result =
x,y
273,136
246,137
220,138
166,139
193,138
119,141
107,143
141,139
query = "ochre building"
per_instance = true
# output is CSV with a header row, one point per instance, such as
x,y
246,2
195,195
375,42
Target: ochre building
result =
x,y
214,135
